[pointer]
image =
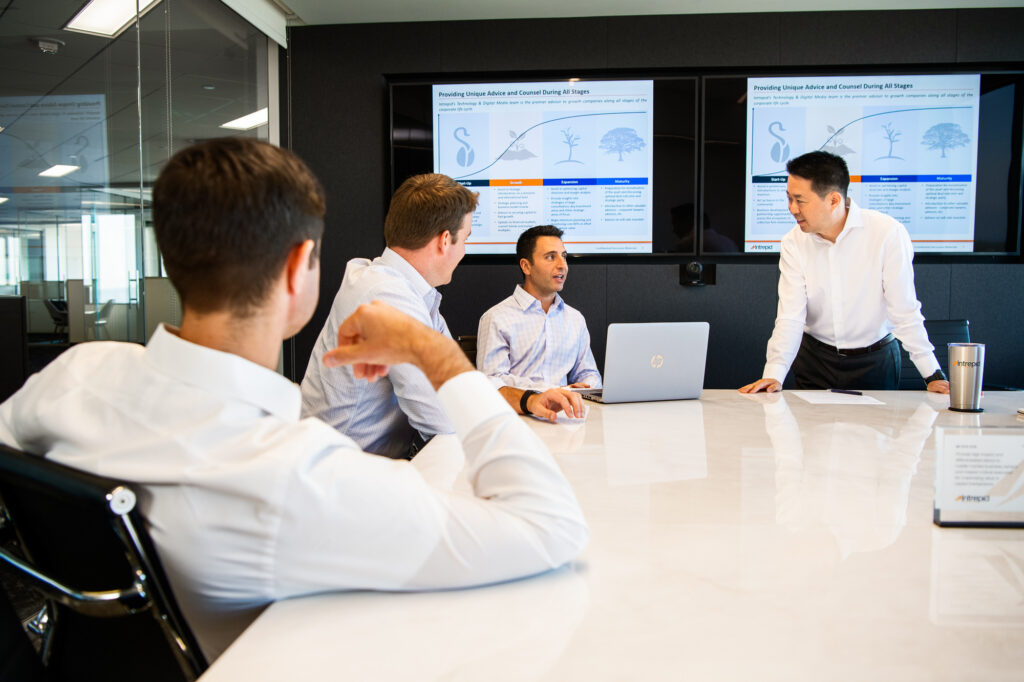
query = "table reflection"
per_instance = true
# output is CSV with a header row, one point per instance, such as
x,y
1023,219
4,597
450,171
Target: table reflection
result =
x,y
851,478
654,442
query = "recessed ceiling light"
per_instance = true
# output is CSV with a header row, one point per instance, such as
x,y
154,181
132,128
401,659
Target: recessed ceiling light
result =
x,y
107,18
209,87
3,199
249,121
58,171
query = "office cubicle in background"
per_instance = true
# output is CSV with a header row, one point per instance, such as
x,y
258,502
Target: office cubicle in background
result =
x,y
339,124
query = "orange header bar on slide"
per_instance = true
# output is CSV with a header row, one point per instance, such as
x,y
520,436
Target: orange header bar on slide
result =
x,y
854,178
517,183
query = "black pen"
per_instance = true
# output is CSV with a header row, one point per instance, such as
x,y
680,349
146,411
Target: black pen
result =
x,y
846,391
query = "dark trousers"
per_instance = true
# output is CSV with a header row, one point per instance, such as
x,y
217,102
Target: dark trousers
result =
x,y
819,367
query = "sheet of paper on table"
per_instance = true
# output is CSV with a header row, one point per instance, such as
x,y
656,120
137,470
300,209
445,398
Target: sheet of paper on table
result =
x,y
829,398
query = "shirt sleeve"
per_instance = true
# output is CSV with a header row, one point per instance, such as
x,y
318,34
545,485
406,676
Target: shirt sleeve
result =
x,y
494,353
792,314
378,523
413,391
902,306
585,370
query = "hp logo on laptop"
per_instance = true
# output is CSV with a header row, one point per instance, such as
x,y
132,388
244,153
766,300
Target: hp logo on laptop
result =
x,y
657,360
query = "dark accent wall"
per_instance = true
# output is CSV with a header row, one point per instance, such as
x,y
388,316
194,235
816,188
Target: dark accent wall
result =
x,y
13,345
338,124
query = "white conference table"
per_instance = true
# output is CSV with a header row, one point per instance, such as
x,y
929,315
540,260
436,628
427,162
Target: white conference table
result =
x,y
732,538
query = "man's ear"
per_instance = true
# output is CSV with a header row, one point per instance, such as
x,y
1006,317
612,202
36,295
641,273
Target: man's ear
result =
x,y
297,267
442,242
835,200
524,265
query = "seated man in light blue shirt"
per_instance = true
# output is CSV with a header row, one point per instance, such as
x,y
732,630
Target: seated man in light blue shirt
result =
x,y
428,222
532,339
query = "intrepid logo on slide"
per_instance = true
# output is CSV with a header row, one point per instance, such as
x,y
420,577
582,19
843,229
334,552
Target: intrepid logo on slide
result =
x,y
972,498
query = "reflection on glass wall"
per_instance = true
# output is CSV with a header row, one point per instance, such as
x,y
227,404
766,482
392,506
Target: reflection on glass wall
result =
x,y
86,124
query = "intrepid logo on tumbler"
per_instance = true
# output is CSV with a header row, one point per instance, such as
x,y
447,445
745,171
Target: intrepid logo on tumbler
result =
x,y
967,363
972,498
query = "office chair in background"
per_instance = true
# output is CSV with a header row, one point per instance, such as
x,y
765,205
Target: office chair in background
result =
x,y
467,342
101,320
58,309
80,541
940,333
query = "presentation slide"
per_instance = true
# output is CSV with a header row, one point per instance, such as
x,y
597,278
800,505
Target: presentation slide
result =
x,y
911,143
574,154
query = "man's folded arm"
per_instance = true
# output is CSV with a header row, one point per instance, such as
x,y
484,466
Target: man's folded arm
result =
x,y
382,526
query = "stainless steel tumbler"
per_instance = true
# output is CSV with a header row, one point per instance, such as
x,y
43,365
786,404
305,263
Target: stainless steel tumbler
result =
x,y
966,367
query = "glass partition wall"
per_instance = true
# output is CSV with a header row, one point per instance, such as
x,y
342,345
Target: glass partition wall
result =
x,y
86,123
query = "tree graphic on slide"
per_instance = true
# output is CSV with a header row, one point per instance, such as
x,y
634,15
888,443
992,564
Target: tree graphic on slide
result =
x,y
945,136
621,140
892,135
572,140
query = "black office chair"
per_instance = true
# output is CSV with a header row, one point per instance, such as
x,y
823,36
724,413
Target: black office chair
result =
x,y
467,342
940,333
82,544
58,309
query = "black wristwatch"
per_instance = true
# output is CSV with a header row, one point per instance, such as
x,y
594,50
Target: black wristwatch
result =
x,y
522,401
938,376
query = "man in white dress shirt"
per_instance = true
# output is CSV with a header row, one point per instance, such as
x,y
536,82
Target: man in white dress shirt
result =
x,y
247,502
533,339
428,222
846,291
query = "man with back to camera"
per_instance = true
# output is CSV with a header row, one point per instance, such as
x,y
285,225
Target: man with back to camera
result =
x,y
533,339
846,291
426,227
247,502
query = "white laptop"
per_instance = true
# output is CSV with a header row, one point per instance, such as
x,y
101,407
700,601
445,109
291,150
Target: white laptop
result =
x,y
653,361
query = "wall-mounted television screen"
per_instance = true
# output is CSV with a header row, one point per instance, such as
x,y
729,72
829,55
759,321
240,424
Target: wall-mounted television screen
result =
x,y
596,157
941,153
694,164
578,155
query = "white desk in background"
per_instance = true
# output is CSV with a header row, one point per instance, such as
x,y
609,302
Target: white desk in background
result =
x,y
732,538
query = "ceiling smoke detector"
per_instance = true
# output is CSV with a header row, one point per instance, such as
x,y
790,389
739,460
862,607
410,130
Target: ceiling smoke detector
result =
x,y
49,45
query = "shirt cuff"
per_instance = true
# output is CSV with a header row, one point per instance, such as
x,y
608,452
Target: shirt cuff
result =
x,y
469,400
927,365
777,372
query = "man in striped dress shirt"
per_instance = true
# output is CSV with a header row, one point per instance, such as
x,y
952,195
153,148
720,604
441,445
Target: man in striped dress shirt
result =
x,y
533,339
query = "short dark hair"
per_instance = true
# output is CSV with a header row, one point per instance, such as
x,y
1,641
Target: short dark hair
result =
x,y
527,241
827,172
226,213
423,207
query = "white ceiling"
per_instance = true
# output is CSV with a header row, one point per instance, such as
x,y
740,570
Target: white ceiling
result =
x,y
367,11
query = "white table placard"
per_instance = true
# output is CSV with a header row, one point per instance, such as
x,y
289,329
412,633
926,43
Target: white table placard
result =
x,y
979,477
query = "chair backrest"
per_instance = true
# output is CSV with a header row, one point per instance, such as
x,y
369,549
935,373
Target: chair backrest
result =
x,y
467,342
940,333
58,310
84,546
105,309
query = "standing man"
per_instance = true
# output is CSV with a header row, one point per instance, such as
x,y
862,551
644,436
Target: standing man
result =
x,y
248,503
428,222
846,291
532,339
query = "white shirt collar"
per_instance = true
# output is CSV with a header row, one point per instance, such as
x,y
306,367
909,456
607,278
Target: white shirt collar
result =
x,y
525,299
419,285
223,374
854,219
